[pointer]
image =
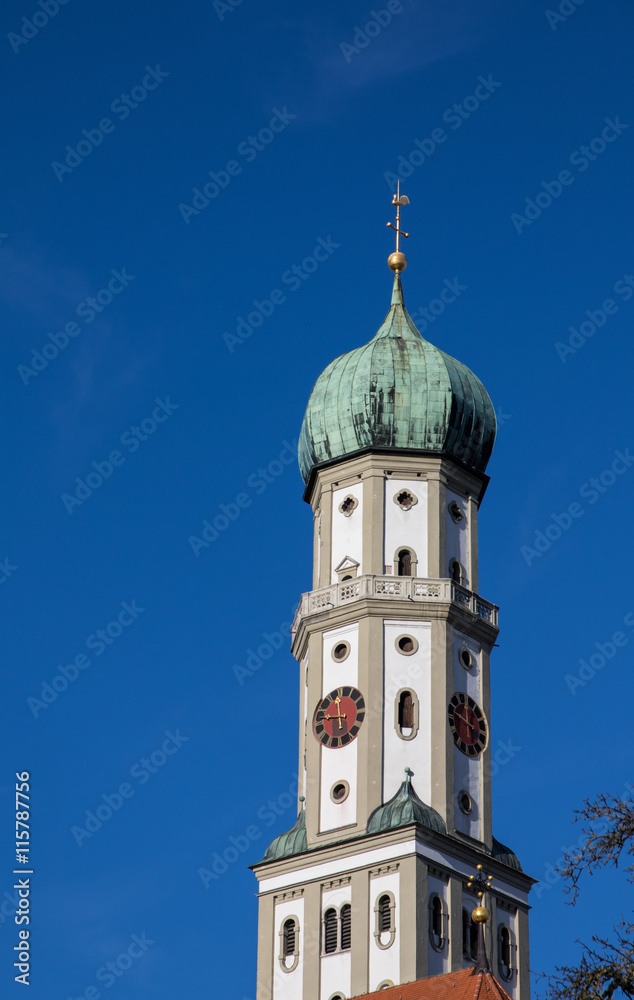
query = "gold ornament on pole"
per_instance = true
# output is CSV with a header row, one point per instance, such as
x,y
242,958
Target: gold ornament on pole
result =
x,y
480,883
398,261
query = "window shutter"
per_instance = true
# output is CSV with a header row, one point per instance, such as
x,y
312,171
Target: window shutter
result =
x,y
330,931
385,914
346,928
289,938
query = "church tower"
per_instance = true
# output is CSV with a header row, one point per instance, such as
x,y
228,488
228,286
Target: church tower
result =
x,y
370,888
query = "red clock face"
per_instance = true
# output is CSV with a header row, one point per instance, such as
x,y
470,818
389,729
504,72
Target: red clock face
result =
x,y
468,725
338,717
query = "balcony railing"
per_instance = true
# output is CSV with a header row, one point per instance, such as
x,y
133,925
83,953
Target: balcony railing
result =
x,y
399,588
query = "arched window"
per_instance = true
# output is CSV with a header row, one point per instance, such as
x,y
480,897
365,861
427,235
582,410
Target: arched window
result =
x,y
404,563
330,931
505,952
455,571
406,710
385,920
289,937
406,714
436,922
469,936
346,927
385,914
289,944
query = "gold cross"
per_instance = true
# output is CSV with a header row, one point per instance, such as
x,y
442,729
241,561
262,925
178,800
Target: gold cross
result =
x,y
398,201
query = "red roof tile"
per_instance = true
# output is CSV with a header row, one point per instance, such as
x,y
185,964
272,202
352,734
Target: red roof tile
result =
x,y
465,984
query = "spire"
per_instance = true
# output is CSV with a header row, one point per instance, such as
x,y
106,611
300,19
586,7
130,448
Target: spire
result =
x,y
481,882
398,261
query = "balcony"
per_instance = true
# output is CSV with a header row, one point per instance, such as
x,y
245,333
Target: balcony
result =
x,y
401,588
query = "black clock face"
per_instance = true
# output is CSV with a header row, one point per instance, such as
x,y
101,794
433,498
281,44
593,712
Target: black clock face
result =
x,y
467,723
338,717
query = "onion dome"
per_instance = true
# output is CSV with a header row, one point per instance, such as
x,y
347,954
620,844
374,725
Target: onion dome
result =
x,y
403,809
294,841
398,392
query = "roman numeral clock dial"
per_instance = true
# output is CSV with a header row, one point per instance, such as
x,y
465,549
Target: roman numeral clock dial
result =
x,y
338,717
467,723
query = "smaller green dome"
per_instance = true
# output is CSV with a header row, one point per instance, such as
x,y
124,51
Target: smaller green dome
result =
x,y
505,855
402,809
294,841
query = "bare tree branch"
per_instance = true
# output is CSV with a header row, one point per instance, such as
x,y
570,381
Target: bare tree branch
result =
x,y
609,832
606,970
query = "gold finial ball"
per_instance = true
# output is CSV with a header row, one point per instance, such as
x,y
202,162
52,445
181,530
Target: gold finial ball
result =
x,y
397,261
480,915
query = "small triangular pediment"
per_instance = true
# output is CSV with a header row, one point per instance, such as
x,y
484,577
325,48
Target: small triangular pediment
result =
x,y
346,563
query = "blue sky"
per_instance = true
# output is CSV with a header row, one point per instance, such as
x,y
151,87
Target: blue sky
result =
x,y
508,205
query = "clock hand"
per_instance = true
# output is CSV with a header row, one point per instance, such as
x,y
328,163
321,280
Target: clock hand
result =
x,y
465,718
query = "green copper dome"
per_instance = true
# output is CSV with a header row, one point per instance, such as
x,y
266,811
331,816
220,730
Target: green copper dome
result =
x,y
402,809
505,855
292,842
397,392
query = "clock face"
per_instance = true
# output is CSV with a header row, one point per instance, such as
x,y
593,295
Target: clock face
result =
x,y
468,725
338,717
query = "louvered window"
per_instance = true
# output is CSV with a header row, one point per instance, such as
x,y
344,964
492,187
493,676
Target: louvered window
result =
x,y
346,928
385,915
330,931
289,938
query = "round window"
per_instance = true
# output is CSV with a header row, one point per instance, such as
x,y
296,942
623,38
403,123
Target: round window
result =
x,y
465,802
466,659
456,512
406,644
340,791
340,651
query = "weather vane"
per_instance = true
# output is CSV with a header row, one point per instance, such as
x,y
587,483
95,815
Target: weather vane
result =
x,y
398,261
